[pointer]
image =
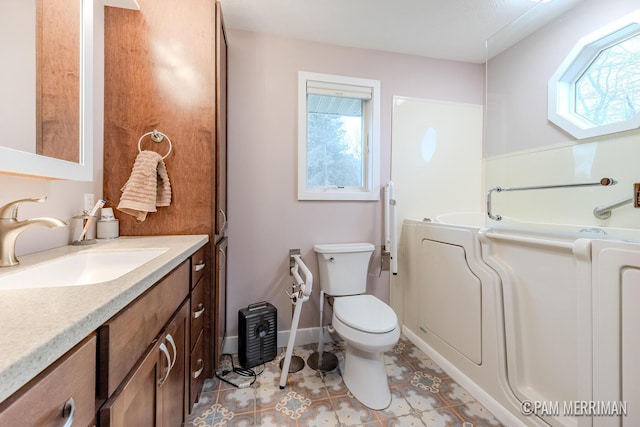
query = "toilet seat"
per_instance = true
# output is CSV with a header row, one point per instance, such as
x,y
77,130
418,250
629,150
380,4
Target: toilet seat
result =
x,y
365,313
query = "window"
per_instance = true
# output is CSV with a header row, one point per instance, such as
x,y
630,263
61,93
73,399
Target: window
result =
x,y
609,89
338,137
596,90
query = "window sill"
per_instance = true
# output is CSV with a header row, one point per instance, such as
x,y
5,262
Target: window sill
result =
x,y
339,195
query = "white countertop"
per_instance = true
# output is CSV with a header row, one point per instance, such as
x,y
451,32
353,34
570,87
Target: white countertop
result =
x,y
40,325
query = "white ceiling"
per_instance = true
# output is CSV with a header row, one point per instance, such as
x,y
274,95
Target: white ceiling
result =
x,y
444,29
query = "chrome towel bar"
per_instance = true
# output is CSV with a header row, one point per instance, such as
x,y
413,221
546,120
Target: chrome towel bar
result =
x,y
603,182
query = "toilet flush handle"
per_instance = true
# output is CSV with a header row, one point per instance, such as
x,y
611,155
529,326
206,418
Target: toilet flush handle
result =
x,y
332,259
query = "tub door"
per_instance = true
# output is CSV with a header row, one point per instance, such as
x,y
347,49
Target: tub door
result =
x,y
546,283
450,298
616,343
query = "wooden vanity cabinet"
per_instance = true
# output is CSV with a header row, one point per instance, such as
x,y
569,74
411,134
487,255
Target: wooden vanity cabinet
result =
x,y
136,368
46,400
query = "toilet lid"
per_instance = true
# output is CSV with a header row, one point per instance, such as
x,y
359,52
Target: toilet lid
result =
x,y
365,313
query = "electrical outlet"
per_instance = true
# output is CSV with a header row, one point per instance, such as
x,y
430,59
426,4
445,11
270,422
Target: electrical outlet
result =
x,y
292,263
89,201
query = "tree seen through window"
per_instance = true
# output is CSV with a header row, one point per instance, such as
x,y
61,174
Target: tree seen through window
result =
x,y
334,146
609,89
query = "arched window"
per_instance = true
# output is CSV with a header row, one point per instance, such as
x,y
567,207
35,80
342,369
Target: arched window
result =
x,y
596,90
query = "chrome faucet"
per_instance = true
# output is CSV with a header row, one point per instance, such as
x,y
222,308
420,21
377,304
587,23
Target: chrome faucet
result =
x,y
10,228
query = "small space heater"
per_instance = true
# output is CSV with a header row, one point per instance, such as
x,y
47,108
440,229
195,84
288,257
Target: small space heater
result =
x,y
257,334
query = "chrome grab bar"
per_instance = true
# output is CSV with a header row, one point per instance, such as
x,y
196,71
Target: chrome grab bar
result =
x,y
306,285
604,182
604,212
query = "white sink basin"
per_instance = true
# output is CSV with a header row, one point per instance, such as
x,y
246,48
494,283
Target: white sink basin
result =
x,y
82,268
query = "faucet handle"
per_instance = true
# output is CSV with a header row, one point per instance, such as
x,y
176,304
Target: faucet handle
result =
x,y
10,210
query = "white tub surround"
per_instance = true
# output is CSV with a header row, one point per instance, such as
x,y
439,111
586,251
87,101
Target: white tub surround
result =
x,y
428,137
40,325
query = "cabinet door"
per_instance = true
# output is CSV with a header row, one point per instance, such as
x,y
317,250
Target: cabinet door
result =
x,y
221,125
135,403
172,394
220,300
154,393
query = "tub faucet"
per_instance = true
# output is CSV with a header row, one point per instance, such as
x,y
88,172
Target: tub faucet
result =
x,y
10,228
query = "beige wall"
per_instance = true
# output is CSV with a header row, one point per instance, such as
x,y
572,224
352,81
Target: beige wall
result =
x,y
517,79
265,219
523,148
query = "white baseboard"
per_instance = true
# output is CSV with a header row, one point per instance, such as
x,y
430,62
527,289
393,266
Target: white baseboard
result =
x,y
303,337
500,412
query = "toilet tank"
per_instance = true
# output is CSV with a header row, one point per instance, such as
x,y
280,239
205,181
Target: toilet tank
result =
x,y
343,267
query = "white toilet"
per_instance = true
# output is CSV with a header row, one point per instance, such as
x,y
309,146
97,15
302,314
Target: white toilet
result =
x,y
368,326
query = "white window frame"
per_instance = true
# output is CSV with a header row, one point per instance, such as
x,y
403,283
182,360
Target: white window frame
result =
x,y
561,99
371,148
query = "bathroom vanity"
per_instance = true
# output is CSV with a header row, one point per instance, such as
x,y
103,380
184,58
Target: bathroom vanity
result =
x,y
119,352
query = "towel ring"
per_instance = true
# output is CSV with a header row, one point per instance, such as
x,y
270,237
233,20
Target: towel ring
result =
x,y
156,136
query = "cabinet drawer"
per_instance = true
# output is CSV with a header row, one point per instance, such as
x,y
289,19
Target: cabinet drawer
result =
x,y
196,374
198,264
197,312
41,403
125,337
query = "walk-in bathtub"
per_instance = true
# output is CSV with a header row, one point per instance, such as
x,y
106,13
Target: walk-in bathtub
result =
x,y
521,315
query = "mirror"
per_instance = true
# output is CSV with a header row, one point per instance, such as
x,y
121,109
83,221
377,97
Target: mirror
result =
x,y
46,93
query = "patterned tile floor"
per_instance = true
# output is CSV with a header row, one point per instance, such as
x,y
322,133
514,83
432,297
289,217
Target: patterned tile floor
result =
x,y
422,395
